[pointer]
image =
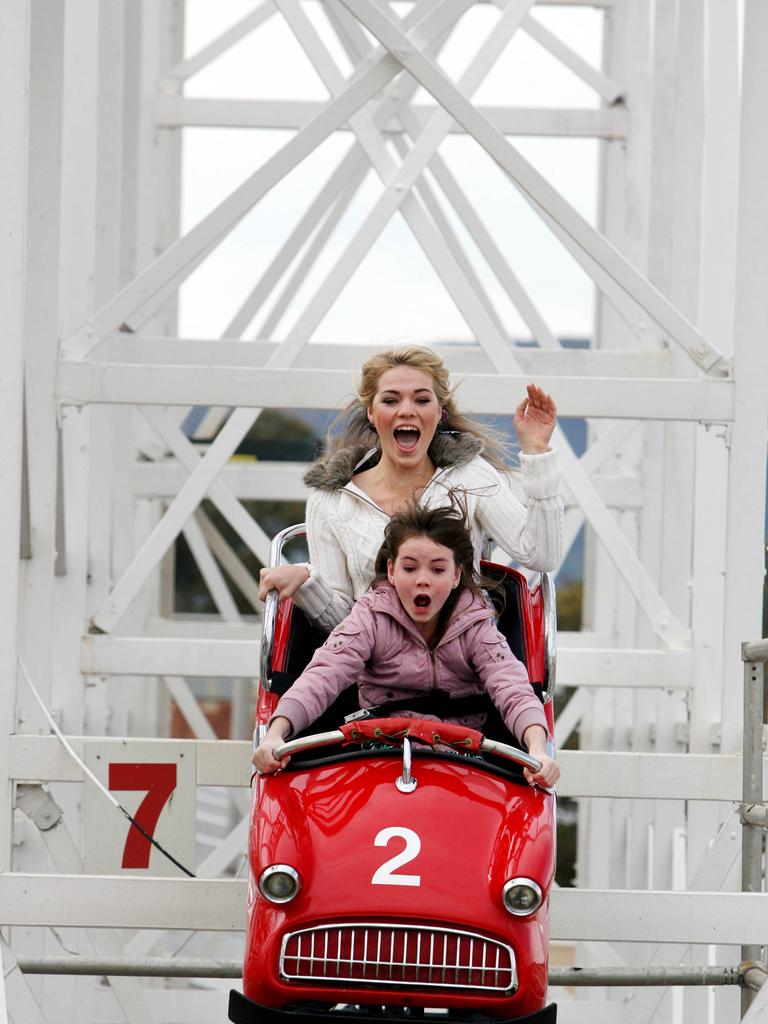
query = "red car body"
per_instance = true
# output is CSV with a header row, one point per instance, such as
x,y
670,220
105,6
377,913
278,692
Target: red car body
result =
x,y
399,909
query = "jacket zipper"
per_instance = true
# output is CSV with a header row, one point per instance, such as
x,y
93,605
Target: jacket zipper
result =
x,y
369,501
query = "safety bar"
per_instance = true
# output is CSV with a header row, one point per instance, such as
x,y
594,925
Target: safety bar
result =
x,y
270,605
325,739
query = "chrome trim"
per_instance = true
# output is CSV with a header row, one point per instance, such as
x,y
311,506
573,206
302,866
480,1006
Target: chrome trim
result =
x,y
531,885
406,783
284,869
259,734
489,974
511,753
549,609
267,639
318,739
270,605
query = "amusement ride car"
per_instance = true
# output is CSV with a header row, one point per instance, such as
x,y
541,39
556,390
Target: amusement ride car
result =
x,y
400,867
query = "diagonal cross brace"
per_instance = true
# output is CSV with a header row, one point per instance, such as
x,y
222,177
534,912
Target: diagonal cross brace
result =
x,y
535,187
138,299
645,592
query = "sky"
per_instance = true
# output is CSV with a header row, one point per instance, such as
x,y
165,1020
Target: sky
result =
x,y
395,294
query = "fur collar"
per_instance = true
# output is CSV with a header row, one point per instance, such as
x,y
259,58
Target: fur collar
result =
x,y
447,450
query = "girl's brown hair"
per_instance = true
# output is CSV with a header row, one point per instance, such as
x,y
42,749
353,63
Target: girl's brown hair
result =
x,y
356,429
446,525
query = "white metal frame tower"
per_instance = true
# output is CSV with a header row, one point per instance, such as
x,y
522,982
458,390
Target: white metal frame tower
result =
x,y
99,478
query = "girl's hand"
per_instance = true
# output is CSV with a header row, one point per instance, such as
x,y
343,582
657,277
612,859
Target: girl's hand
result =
x,y
285,579
535,421
264,760
547,775
535,740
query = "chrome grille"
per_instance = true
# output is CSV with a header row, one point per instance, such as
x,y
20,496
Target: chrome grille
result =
x,y
399,956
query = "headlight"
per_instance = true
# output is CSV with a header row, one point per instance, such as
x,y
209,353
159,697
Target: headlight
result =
x,y
279,883
522,896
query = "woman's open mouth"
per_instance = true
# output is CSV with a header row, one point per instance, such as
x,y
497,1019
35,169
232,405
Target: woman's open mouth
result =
x,y
422,601
406,438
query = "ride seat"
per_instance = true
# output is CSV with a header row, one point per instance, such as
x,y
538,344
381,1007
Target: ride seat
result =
x,y
296,640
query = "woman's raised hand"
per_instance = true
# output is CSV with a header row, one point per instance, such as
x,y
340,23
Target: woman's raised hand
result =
x,y
285,579
535,420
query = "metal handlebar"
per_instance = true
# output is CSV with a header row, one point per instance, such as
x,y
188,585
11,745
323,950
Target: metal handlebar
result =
x,y
326,739
320,739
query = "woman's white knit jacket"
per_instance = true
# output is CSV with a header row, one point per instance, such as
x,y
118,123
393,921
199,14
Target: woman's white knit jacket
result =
x,y
345,528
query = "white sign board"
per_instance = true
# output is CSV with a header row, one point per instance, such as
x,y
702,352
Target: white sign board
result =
x,y
157,786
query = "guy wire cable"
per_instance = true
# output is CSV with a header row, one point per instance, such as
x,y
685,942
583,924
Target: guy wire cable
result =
x,y
68,747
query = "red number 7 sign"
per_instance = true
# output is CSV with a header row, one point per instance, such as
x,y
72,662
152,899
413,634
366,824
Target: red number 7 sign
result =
x,y
159,781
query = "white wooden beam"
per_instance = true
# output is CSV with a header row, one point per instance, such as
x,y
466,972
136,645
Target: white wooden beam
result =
x,y
608,775
105,901
156,656
291,115
635,916
153,656
83,383
190,66
15,20
607,89
261,480
745,538
620,775
216,905
342,184
219,762
468,358
615,667
224,500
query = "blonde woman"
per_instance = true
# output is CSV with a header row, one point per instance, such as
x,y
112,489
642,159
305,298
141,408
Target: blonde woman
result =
x,y
405,440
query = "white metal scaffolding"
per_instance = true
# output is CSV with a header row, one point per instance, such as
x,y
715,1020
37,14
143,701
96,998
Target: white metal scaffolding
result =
x,y
107,295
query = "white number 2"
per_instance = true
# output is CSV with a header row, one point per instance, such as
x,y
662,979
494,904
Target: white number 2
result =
x,y
385,874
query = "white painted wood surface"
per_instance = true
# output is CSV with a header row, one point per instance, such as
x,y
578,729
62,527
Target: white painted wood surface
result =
x,y
672,484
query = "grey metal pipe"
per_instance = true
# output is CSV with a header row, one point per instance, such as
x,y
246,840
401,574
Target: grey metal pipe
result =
x,y
756,650
752,797
644,976
140,967
177,967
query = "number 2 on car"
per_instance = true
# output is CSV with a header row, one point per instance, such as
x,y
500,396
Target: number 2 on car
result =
x,y
385,874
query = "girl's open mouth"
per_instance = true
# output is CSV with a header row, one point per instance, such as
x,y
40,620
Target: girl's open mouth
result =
x,y
422,601
406,438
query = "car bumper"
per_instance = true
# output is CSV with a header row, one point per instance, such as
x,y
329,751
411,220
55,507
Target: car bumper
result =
x,y
244,1011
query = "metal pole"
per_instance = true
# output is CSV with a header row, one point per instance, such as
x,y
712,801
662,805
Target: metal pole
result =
x,y
582,977
752,809
177,967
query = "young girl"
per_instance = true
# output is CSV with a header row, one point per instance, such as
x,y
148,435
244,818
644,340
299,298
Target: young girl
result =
x,y
423,627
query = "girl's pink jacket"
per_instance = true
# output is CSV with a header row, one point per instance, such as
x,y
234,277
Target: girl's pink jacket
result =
x,y
378,646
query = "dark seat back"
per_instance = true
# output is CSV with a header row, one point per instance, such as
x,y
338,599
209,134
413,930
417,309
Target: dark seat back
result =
x,y
296,640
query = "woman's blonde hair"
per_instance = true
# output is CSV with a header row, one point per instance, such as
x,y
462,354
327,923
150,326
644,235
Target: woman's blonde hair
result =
x,y
356,428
